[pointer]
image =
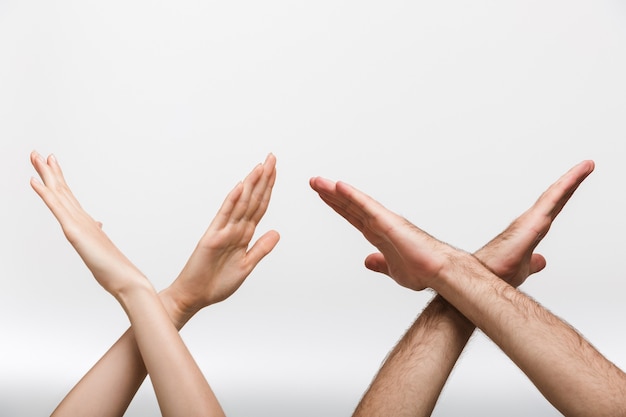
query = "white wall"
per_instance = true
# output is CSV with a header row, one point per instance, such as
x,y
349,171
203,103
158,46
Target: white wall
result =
x,y
455,114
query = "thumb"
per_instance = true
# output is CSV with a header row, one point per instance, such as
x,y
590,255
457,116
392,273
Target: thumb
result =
x,y
261,248
537,263
377,263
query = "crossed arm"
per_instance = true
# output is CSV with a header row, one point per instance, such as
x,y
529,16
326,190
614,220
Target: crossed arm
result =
x,y
218,266
569,372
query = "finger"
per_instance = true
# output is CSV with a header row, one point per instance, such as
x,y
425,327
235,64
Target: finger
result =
x,y
40,189
262,191
375,236
376,262
273,179
55,167
537,263
260,212
249,183
41,186
552,201
360,210
327,191
339,209
258,190
42,168
537,220
51,201
320,184
226,210
261,248
61,188
373,214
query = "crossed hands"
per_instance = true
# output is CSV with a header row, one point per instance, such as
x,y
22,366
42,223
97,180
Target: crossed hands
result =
x,y
415,260
218,266
223,258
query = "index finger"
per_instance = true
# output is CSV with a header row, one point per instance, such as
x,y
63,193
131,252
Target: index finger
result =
x,y
358,208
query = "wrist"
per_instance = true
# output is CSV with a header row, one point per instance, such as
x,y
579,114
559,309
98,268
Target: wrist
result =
x,y
179,311
132,295
457,264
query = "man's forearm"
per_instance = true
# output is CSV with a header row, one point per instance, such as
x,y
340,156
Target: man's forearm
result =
x,y
569,372
413,375
109,386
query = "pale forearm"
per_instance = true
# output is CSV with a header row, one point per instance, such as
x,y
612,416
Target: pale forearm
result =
x,y
221,262
178,382
570,373
412,377
110,385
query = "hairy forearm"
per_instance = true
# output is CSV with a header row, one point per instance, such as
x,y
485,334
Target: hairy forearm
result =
x,y
414,373
109,386
570,373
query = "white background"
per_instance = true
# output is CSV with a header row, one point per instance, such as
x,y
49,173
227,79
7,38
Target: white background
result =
x,y
455,114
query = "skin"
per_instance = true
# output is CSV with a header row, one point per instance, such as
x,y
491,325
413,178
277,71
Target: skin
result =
x,y
433,344
413,375
568,371
218,266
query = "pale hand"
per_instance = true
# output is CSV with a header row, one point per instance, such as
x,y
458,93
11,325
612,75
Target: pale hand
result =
x,y
108,265
222,259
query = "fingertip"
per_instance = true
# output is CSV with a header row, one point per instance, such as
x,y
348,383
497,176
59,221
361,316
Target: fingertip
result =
x,y
376,262
272,235
235,193
37,186
36,157
34,182
588,165
344,186
537,263
263,246
276,236
237,189
321,184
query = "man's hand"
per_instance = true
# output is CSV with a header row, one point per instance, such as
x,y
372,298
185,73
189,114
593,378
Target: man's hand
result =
x,y
407,254
510,254
414,259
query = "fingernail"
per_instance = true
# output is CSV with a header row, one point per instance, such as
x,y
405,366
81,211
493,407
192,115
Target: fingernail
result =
x,y
37,156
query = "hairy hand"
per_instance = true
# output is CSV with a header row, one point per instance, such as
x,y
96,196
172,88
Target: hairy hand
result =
x,y
510,254
413,258
409,255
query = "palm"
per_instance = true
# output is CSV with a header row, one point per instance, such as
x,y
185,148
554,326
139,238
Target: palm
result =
x,y
223,258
